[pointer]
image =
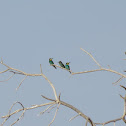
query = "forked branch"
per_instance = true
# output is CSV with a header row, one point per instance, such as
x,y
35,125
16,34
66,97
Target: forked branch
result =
x,y
16,71
100,68
23,109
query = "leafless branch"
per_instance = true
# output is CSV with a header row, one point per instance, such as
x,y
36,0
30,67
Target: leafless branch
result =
x,y
6,118
22,115
115,120
21,82
51,108
57,100
73,108
8,78
16,71
4,71
124,114
23,109
41,68
122,97
54,115
74,117
46,109
118,80
91,57
101,69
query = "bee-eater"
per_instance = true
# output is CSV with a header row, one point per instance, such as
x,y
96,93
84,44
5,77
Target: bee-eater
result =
x,y
67,66
51,62
61,64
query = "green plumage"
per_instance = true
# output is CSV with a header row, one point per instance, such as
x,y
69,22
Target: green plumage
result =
x,y
51,62
67,66
61,64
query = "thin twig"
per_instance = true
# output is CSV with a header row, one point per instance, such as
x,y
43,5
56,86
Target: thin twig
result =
x,y
54,115
8,78
91,57
46,109
41,68
47,98
18,118
1,60
13,105
74,117
118,80
51,109
124,114
86,123
21,82
4,71
122,97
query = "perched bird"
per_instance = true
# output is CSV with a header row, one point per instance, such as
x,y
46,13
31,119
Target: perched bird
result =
x,y
61,64
51,62
67,66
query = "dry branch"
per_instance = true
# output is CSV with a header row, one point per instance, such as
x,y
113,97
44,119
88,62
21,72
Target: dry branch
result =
x,y
24,110
115,120
57,100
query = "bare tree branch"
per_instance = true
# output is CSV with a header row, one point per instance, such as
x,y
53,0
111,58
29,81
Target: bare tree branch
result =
x,y
16,71
91,57
54,115
115,120
4,71
57,100
21,82
73,117
46,109
8,78
118,80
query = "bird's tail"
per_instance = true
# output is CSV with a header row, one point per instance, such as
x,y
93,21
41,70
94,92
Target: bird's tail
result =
x,y
55,67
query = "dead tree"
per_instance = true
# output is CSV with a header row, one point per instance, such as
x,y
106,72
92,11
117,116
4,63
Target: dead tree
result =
x,y
57,102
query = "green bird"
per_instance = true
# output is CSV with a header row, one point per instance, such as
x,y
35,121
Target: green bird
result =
x,y
67,66
61,64
51,62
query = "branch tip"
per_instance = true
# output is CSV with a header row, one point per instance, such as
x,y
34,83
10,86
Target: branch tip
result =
x,y
41,68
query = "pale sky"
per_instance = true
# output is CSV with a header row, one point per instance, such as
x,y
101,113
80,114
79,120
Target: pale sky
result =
x,y
32,31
